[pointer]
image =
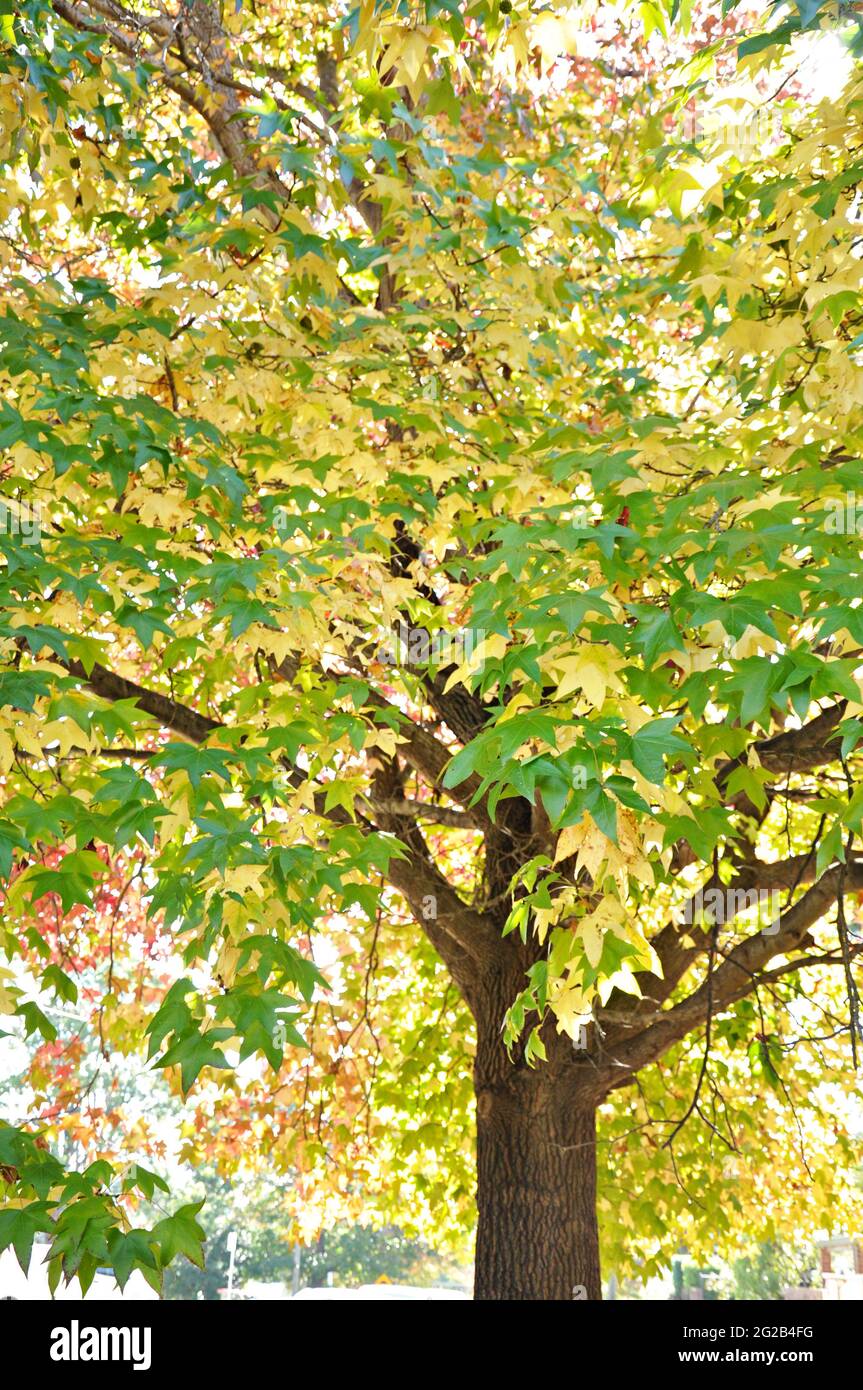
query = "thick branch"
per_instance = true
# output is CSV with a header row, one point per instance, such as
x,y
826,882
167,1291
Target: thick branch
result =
x,y
795,750
675,957
736,977
465,940
171,715
429,757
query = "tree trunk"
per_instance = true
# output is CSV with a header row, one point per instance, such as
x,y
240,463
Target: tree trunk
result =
x,y
537,1234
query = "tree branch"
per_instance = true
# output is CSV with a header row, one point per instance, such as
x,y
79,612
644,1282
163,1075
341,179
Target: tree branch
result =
x,y
794,750
736,977
171,715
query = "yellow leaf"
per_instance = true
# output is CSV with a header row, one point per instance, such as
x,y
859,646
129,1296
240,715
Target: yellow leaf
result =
x,y
592,669
244,878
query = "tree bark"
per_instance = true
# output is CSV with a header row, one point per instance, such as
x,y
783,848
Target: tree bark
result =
x,y
537,1235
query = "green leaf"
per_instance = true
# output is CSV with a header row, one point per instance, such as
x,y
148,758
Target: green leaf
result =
x,y
181,1234
653,743
19,1228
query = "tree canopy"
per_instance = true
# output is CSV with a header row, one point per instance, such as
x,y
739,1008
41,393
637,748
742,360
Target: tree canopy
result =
x,y
429,438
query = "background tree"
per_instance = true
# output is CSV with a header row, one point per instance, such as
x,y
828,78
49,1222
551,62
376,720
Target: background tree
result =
x,y
427,494
346,1256
774,1267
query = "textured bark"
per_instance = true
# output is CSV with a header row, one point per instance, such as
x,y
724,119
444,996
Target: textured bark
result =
x,y
537,1236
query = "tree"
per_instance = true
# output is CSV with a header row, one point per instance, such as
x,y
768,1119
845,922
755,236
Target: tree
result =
x,y
429,489
770,1269
348,1255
